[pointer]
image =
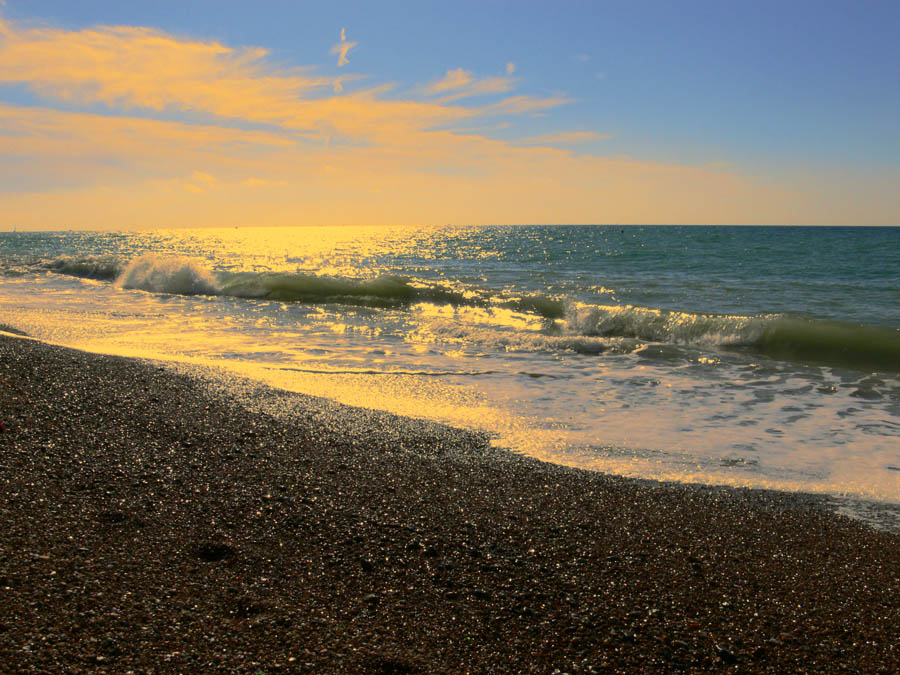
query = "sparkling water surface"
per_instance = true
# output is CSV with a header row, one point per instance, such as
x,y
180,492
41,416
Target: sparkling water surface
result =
x,y
765,357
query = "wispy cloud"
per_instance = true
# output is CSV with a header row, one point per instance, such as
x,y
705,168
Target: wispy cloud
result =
x,y
510,68
343,48
517,105
142,68
125,67
136,172
201,182
454,79
457,84
147,68
268,144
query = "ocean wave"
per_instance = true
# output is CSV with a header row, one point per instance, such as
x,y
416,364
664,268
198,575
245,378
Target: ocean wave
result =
x,y
858,346
384,291
504,339
659,325
832,343
624,329
102,268
183,276
570,326
542,305
179,276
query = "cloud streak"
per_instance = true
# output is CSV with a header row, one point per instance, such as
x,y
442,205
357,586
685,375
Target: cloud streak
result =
x,y
141,68
142,128
457,84
89,170
132,67
519,105
343,48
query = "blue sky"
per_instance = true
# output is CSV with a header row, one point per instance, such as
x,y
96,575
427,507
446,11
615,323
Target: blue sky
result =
x,y
791,94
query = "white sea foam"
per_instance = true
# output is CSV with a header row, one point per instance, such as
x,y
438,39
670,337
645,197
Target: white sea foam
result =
x,y
159,274
659,325
507,340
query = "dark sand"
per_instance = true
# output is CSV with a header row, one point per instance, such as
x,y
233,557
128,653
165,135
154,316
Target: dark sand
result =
x,y
151,522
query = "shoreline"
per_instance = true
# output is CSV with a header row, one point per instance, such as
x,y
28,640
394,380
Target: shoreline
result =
x,y
251,392
154,522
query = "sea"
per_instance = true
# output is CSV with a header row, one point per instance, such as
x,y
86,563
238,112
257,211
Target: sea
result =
x,y
759,357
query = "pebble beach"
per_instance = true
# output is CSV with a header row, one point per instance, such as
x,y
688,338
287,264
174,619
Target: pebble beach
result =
x,y
154,520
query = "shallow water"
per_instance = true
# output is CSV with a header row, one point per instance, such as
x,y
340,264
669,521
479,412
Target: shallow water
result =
x,y
766,357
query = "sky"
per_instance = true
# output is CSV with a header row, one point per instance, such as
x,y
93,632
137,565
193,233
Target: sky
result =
x,y
119,115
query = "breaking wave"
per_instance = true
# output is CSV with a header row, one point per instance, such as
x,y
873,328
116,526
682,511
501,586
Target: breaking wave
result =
x,y
834,343
183,276
102,268
384,291
178,276
624,329
569,326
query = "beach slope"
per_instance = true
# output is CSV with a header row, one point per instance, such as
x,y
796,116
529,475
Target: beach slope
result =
x,y
154,521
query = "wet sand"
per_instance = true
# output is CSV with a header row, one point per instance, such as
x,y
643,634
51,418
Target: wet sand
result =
x,y
155,521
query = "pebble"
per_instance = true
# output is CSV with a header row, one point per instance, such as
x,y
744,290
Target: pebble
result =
x,y
487,558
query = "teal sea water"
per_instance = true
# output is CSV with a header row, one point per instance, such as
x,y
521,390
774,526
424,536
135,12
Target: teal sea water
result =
x,y
756,356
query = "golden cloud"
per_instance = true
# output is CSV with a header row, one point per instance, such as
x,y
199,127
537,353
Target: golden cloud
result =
x,y
459,83
144,173
275,146
128,67
343,48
